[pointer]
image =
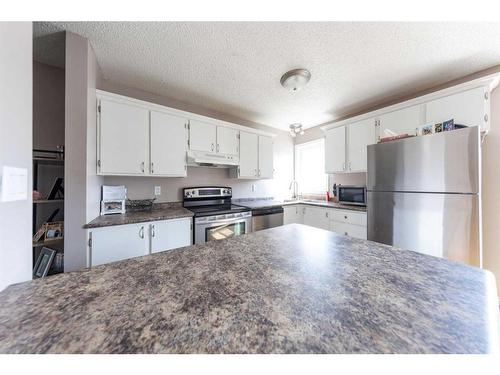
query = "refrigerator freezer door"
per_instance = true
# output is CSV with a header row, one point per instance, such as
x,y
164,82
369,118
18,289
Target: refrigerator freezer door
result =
x,y
442,162
443,225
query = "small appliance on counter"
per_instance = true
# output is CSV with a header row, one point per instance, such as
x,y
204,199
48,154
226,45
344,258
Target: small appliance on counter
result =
x,y
113,199
351,194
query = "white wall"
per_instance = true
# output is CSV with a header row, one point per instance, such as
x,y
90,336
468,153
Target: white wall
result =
x,y
81,182
143,187
16,148
491,192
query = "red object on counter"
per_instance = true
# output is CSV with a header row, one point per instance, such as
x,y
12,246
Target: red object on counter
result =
x,y
327,196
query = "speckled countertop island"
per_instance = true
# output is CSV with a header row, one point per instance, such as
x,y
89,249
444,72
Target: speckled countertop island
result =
x,y
291,289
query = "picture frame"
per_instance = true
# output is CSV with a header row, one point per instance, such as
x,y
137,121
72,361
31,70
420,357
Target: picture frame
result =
x,y
43,262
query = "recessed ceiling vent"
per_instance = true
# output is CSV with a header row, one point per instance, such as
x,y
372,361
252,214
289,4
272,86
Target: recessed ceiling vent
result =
x,y
295,79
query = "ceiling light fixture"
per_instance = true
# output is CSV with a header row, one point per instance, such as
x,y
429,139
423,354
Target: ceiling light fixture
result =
x,y
295,79
296,129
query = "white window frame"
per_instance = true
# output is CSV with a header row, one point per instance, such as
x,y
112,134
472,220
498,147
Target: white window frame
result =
x,y
296,159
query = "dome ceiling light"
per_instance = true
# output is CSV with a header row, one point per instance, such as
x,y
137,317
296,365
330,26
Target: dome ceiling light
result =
x,y
296,129
295,79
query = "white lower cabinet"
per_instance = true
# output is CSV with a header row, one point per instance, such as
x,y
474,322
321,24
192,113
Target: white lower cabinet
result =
x,y
292,214
119,242
316,217
349,223
170,234
351,230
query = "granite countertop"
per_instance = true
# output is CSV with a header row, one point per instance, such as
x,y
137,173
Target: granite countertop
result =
x,y
160,211
268,203
290,289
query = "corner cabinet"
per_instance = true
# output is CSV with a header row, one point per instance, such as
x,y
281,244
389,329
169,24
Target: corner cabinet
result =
x,y
335,150
256,157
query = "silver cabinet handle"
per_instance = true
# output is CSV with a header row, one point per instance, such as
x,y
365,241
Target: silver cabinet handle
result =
x,y
217,149
255,173
141,232
152,230
326,214
346,233
343,166
212,146
152,167
259,172
142,167
345,216
349,165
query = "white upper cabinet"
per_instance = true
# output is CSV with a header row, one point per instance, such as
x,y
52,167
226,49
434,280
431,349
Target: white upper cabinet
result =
x,y
470,108
123,138
249,148
202,136
335,155
266,168
168,140
359,135
227,140
402,121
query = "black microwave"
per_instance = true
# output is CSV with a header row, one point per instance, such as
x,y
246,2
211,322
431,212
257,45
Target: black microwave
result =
x,y
350,194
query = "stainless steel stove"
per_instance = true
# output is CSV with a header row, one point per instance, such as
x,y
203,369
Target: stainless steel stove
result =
x,y
215,217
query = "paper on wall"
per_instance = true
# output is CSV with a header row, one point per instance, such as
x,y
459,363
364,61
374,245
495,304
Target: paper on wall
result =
x,y
14,184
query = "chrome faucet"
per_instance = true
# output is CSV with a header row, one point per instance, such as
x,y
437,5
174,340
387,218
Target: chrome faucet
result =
x,y
295,185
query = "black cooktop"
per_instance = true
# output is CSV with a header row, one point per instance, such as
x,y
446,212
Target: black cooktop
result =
x,y
217,210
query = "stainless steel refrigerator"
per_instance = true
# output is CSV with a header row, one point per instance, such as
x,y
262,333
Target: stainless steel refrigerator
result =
x,y
424,194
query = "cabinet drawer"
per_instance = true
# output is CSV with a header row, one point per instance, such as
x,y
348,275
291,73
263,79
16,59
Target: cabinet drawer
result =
x,y
349,217
356,231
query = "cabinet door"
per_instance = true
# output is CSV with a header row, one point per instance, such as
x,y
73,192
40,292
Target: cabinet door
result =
x,y
355,231
359,135
118,242
292,214
168,145
202,136
266,167
335,150
249,146
465,108
316,217
123,138
170,234
401,121
227,141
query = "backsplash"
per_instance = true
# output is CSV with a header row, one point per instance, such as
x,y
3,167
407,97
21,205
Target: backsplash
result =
x,y
171,188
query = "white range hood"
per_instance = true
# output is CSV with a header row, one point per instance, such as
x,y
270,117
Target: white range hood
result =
x,y
207,159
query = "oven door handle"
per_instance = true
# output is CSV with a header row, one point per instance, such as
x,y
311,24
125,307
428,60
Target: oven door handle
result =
x,y
228,221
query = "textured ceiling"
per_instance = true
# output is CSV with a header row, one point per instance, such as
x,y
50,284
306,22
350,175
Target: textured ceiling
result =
x,y
235,68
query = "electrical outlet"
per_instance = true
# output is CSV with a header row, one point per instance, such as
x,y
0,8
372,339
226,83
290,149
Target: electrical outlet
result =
x,y
254,187
157,190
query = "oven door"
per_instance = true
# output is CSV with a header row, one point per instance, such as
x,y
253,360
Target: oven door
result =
x,y
209,229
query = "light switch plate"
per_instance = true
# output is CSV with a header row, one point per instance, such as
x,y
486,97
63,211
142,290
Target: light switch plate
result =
x,y
157,190
14,184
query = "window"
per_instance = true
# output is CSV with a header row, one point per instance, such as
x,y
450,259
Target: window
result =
x,y
310,167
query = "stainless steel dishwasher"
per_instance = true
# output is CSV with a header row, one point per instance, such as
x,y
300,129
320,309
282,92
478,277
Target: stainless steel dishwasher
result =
x,y
264,218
